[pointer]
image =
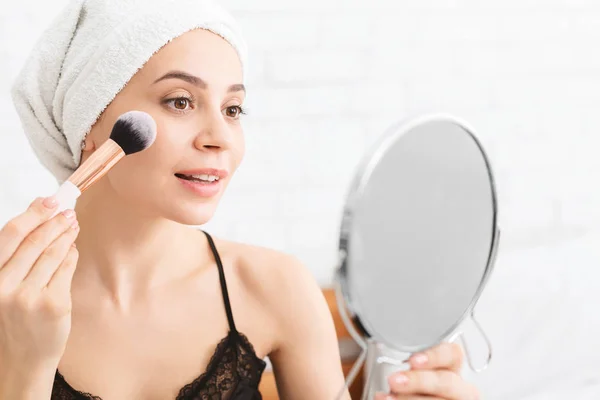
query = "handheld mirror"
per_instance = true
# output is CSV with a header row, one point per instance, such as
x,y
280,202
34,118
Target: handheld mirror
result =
x,y
418,240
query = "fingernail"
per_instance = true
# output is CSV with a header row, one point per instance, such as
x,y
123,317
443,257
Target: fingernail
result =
x,y
50,202
70,214
420,359
401,379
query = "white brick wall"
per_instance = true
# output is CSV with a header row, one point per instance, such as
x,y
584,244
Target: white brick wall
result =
x,y
525,76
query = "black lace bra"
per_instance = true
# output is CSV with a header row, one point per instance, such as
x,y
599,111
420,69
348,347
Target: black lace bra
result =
x,y
233,372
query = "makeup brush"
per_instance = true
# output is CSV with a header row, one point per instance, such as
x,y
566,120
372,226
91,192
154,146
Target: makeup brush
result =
x,y
133,132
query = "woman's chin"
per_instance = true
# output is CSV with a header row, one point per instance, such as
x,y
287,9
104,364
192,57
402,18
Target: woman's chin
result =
x,y
198,215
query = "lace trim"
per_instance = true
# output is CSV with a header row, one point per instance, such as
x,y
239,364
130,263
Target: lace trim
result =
x,y
233,371
62,390
223,383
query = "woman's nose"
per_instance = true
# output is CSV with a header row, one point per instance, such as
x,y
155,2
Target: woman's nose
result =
x,y
214,134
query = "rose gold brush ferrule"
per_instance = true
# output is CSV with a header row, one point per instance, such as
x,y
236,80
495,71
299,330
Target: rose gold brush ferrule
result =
x,y
97,165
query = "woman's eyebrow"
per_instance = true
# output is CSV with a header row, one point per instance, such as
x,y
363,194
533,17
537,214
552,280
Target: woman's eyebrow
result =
x,y
237,88
184,76
196,81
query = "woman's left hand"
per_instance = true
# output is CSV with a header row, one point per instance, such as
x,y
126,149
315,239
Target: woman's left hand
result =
x,y
434,375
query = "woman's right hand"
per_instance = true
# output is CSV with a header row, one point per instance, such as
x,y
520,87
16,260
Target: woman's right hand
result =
x,y
37,263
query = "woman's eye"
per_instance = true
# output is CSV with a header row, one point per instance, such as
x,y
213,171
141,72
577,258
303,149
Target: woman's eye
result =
x,y
179,104
234,111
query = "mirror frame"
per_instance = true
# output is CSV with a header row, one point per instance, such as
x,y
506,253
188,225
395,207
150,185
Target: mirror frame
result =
x,y
357,186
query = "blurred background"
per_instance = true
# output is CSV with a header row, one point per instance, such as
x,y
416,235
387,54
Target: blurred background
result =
x,y
327,77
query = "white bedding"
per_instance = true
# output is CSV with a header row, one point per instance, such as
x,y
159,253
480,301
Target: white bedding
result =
x,y
541,311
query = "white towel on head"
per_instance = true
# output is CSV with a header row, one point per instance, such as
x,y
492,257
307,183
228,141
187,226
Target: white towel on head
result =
x,y
88,54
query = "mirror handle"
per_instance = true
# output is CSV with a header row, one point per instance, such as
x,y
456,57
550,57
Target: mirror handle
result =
x,y
354,371
468,354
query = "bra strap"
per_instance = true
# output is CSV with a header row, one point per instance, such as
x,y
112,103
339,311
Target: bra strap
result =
x,y
223,282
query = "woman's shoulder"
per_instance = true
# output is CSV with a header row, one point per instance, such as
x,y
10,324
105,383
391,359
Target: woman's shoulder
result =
x,y
286,290
275,277
262,267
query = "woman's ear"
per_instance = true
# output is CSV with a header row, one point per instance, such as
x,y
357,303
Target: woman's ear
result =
x,y
88,145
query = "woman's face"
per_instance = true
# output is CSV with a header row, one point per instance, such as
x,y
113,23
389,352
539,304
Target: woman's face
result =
x,y
193,89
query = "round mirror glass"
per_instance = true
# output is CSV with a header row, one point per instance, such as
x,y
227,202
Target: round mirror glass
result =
x,y
418,234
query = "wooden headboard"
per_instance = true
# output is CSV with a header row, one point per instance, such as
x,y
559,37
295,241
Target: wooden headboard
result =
x,y
348,348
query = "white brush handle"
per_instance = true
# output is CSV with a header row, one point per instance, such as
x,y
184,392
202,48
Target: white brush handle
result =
x,y
66,195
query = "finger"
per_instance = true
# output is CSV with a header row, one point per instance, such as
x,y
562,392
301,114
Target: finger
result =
x,y
15,230
51,259
444,356
60,284
32,247
445,384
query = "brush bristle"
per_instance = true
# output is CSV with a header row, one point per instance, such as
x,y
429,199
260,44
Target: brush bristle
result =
x,y
134,131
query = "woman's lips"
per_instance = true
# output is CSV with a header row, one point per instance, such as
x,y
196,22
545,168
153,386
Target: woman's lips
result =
x,y
219,173
201,188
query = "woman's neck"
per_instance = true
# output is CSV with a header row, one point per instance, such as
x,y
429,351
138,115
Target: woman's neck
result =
x,y
127,252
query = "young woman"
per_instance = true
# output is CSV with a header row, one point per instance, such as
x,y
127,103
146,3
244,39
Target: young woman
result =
x,y
121,299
